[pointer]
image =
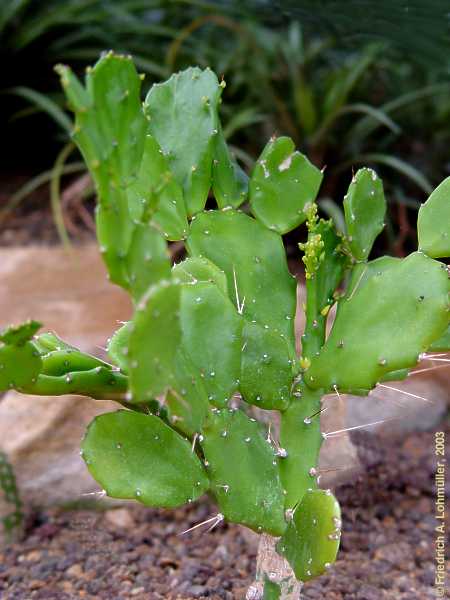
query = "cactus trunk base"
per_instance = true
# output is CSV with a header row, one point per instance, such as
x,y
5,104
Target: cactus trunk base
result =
x,y
271,567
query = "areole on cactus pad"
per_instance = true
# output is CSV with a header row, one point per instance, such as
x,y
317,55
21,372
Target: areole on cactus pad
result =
x,y
213,337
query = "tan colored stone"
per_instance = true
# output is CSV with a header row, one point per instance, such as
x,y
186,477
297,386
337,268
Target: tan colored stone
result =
x,y
42,436
66,290
75,570
69,293
419,403
120,517
338,460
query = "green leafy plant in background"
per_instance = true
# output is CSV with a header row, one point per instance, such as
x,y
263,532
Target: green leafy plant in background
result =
x,y
343,103
213,336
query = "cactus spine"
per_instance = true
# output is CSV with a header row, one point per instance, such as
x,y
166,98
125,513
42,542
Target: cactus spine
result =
x,y
214,335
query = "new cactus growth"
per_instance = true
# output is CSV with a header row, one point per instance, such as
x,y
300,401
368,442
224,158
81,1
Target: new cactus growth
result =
x,y
213,336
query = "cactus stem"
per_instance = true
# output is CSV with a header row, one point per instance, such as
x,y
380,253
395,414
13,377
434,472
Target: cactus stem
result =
x,y
302,450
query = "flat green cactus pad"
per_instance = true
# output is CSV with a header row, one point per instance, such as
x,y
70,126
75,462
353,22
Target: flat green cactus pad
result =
x,y
282,184
187,399
131,174
211,337
254,261
433,223
364,207
267,368
154,341
157,195
243,470
17,335
196,320
197,269
183,117
311,540
147,260
230,183
136,456
19,365
393,311
110,130
264,292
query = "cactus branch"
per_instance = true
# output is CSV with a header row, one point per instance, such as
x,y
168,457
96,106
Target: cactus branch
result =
x,y
98,383
301,438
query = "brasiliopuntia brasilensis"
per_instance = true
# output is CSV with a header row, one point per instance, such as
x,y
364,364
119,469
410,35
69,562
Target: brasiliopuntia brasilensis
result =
x,y
214,335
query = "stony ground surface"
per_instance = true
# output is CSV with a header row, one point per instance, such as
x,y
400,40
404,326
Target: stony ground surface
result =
x,y
133,552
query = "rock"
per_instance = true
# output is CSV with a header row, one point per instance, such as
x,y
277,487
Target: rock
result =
x,y
66,290
41,437
36,584
33,556
338,459
75,571
394,553
120,517
418,403
69,293
196,591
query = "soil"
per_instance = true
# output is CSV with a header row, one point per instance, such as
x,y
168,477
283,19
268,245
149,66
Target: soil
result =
x,y
136,552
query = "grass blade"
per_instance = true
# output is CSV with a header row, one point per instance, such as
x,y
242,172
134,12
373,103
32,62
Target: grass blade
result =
x,y
44,103
55,198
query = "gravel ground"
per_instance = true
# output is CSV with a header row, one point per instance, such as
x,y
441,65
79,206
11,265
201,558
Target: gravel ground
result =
x,y
134,552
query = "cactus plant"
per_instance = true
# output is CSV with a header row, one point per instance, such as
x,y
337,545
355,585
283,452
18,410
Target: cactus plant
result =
x,y
213,336
11,517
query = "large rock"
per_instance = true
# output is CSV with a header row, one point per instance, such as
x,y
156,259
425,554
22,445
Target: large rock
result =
x,y
67,290
417,404
43,444
69,293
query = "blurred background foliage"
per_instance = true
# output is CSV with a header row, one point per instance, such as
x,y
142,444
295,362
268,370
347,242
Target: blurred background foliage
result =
x,y
355,82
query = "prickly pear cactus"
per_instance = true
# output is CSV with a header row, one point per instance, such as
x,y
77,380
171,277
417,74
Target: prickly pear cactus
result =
x,y
213,335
